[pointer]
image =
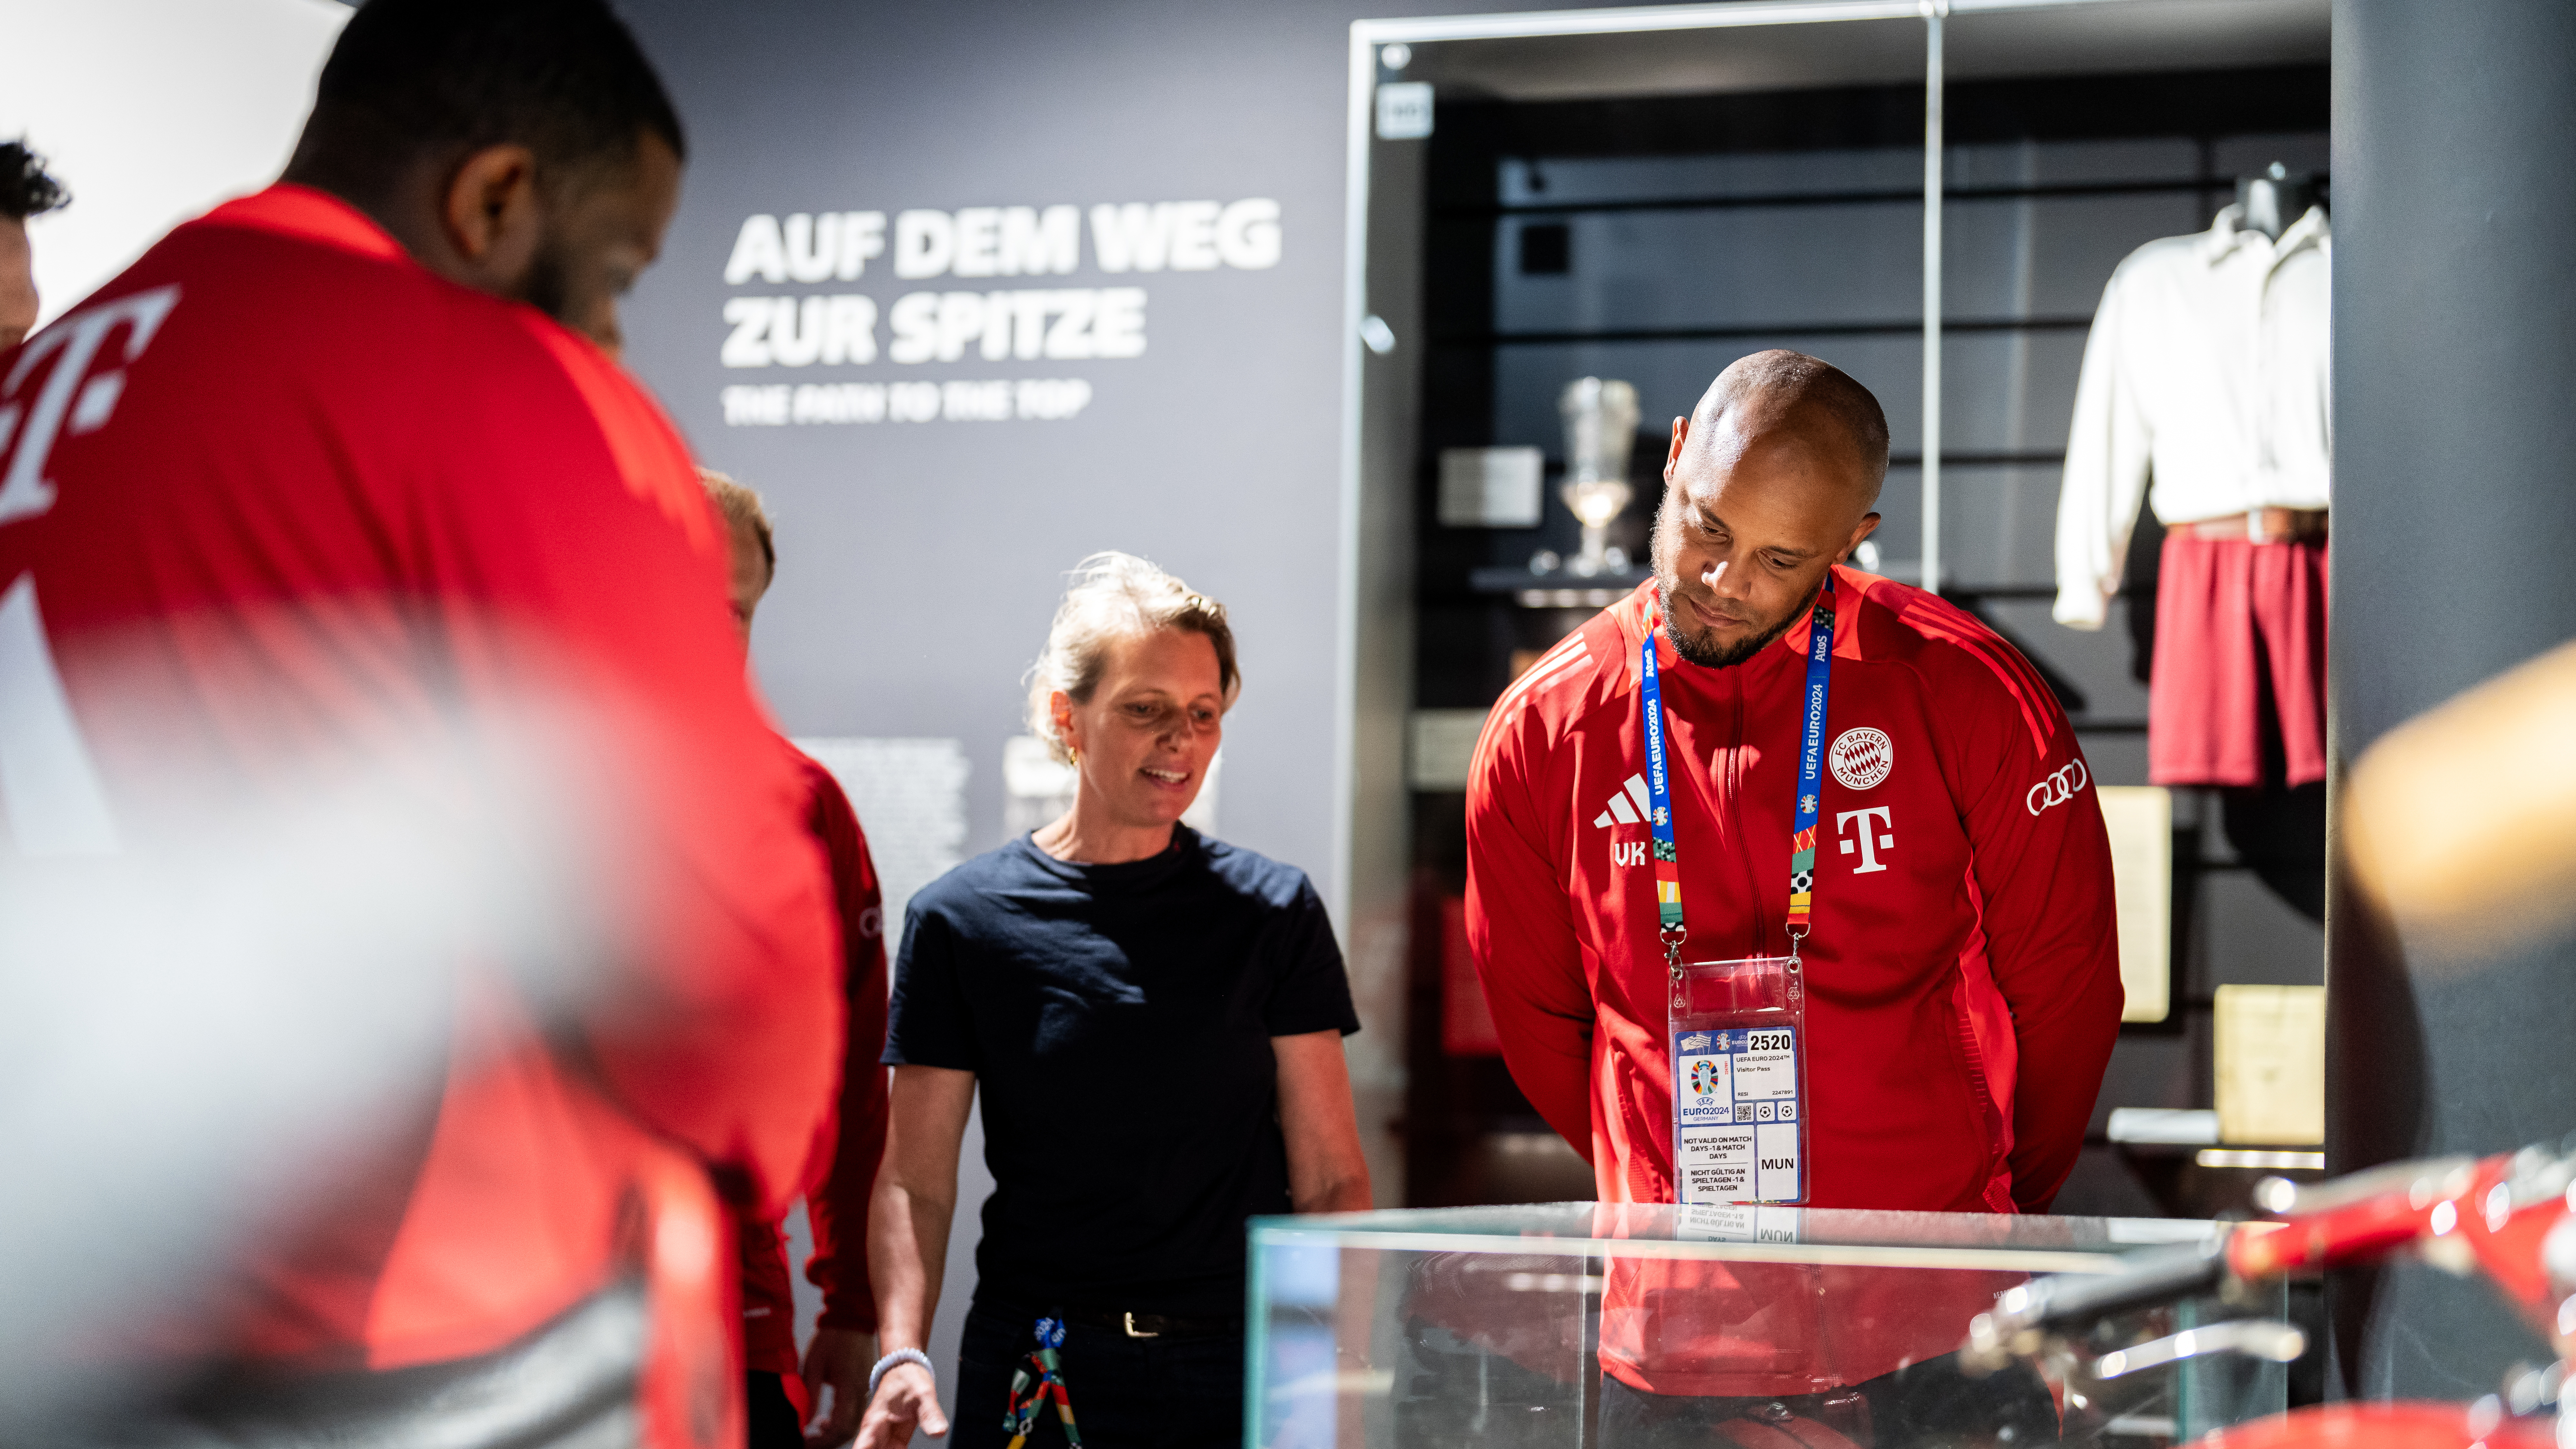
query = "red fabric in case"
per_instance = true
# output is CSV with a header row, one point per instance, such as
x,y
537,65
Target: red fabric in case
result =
x,y
2239,693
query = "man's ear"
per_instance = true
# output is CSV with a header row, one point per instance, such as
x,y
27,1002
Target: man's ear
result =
x,y
491,210
1868,526
1672,459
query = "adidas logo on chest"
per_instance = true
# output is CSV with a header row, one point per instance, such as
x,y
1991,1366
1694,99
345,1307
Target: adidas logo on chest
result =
x,y
1627,805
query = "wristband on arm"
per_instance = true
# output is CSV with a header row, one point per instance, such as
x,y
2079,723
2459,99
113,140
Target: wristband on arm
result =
x,y
877,1375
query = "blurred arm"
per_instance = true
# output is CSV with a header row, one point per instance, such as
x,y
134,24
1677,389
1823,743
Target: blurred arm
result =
x,y
2485,879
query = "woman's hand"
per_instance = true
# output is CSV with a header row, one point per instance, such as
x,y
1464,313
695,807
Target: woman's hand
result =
x,y
838,1359
908,1399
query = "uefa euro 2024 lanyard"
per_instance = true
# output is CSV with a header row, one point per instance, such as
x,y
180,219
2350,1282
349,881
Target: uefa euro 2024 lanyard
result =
x,y
1738,1028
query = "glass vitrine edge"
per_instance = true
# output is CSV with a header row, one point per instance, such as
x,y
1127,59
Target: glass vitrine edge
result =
x,y
2020,1260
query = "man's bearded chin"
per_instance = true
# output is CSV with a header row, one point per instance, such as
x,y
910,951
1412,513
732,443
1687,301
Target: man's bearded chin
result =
x,y
549,284
1699,648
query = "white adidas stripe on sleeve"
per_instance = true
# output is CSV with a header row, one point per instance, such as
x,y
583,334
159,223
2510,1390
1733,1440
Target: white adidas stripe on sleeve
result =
x,y
1550,666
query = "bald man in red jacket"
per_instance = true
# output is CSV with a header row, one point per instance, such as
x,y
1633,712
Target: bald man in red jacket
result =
x,y
1962,977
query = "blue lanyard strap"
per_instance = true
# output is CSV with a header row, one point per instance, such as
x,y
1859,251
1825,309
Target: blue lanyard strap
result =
x,y
1811,771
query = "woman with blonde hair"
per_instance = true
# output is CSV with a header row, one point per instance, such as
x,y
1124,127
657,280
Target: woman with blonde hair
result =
x,y
1155,1020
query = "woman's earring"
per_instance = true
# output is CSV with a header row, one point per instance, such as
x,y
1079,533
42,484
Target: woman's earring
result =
x,y
1075,753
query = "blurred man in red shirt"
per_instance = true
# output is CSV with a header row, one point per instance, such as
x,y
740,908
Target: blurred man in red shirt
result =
x,y
844,1347
325,489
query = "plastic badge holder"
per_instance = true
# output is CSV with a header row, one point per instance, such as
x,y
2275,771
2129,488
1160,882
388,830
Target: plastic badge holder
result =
x,y
1739,1038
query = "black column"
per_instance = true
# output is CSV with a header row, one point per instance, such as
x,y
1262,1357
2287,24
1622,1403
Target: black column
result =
x,y
2454,558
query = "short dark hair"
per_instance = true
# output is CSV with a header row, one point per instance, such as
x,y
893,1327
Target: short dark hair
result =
x,y
25,189
410,78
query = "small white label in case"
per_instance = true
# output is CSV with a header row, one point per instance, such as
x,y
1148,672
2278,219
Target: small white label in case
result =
x,y
1403,110
1490,487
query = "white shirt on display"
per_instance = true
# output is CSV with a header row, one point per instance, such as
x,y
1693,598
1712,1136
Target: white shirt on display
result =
x,y
2206,373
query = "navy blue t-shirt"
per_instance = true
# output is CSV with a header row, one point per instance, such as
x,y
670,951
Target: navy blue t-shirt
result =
x,y
1118,1020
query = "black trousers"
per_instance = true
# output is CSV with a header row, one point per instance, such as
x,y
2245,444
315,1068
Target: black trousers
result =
x,y
1127,1393
1930,1405
771,1421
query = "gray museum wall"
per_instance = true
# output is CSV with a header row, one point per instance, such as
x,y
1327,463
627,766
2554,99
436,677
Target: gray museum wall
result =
x,y
920,560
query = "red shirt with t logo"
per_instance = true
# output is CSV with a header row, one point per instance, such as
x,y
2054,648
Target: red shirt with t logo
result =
x,y
281,514
1962,981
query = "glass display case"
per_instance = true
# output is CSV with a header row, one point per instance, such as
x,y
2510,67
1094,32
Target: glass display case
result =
x,y
1647,193
1623,1325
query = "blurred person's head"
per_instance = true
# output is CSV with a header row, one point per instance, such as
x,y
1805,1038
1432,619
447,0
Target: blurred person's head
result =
x,y
1132,690
753,553
524,148
25,191
1771,481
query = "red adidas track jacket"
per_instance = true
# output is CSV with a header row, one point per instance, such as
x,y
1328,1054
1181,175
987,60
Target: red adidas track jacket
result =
x,y
1963,976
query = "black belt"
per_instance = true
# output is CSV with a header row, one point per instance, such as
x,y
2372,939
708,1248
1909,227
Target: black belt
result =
x,y
1131,1325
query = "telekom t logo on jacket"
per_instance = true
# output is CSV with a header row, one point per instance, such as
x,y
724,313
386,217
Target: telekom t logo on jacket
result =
x,y
1869,843
51,799
73,400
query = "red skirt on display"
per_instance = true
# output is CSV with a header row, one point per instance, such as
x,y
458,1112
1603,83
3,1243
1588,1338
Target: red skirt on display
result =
x,y
2239,693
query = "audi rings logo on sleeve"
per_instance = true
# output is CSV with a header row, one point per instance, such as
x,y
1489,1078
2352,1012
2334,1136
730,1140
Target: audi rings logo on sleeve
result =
x,y
2058,788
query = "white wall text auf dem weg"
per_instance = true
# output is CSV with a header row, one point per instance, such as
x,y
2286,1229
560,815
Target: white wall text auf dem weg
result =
x,y
841,328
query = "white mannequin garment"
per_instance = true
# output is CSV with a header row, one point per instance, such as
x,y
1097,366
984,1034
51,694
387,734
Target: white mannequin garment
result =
x,y
2206,374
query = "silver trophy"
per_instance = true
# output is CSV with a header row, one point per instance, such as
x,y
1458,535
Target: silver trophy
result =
x,y
1600,428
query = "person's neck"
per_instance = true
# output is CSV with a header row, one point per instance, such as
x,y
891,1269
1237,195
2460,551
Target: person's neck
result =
x,y
410,219
405,205
1085,837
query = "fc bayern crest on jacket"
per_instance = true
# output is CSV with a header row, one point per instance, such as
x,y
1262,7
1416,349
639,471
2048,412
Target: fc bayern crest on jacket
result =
x,y
1861,758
